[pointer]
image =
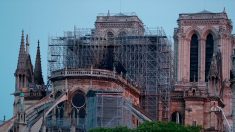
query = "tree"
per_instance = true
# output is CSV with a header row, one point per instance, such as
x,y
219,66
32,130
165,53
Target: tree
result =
x,y
152,127
116,129
166,127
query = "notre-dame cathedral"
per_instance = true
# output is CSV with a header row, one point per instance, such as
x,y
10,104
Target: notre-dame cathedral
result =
x,y
120,74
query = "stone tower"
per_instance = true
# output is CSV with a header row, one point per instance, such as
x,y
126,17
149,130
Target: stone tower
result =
x,y
24,71
118,25
203,49
28,81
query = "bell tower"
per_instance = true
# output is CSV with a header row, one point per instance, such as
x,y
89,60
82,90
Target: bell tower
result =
x,y
203,49
197,37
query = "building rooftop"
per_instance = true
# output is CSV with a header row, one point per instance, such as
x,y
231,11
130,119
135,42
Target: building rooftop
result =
x,y
205,11
118,17
205,14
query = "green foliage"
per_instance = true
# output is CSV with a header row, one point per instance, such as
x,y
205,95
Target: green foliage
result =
x,y
165,127
117,129
152,127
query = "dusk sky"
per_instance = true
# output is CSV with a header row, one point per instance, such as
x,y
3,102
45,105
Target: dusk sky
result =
x,y
43,18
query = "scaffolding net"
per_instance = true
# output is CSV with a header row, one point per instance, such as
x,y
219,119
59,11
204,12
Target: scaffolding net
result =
x,y
107,109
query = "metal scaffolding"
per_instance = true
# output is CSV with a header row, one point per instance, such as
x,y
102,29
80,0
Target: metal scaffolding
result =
x,y
145,59
107,109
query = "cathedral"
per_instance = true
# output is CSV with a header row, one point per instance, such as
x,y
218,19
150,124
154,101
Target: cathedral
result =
x,y
121,74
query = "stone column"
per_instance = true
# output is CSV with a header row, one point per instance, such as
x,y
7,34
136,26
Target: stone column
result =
x,y
202,61
186,67
222,43
184,60
179,60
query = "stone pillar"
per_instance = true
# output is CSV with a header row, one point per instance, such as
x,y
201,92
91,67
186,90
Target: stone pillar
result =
x,y
202,60
222,43
186,67
183,60
179,60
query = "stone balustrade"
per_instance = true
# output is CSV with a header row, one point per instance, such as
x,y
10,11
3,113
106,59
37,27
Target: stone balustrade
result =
x,y
99,73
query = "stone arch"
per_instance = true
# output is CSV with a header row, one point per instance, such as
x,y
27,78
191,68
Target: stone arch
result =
x,y
193,30
177,117
209,30
73,90
214,33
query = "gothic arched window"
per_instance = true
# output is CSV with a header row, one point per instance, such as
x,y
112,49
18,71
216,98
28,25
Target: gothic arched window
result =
x,y
209,54
194,58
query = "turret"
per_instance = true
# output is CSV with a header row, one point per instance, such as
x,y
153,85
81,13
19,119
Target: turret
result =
x,y
21,65
23,73
21,57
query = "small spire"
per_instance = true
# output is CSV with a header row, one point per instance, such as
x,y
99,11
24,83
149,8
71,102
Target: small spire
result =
x,y
224,11
27,44
22,37
108,13
38,44
38,79
21,57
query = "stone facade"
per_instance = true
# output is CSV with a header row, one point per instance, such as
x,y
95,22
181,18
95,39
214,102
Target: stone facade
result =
x,y
203,84
118,25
